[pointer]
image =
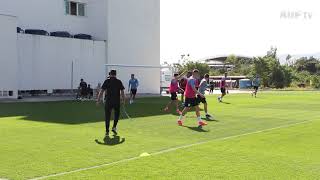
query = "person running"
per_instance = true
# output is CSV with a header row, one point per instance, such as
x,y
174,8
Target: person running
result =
x,y
223,87
113,89
133,88
202,89
183,84
174,88
191,99
255,84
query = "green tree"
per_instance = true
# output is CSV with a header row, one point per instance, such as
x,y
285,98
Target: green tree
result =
x,y
261,69
191,65
311,65
315,81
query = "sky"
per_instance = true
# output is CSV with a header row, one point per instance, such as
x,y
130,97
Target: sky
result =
x,y
206,28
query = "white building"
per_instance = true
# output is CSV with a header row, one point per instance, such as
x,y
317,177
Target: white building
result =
x,y
124,32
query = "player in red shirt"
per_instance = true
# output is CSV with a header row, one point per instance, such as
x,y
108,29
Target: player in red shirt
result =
x,y
223,87
191,99
183,85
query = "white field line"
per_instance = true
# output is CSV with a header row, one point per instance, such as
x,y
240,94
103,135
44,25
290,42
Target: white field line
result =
x,y
169,150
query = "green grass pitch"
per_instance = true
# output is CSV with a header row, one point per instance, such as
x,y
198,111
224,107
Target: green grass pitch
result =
x,y
275,136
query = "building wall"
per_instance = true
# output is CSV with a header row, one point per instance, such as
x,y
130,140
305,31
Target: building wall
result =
x,y
50,15
8,55
131,29
134,39
45,63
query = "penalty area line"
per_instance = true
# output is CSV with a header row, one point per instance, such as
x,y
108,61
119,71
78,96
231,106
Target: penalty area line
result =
x,y
170,150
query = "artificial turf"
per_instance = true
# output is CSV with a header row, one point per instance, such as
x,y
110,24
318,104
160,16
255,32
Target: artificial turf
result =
x,y
39,139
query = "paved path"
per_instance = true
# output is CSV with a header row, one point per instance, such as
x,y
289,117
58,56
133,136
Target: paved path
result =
x,y
72,98
57,98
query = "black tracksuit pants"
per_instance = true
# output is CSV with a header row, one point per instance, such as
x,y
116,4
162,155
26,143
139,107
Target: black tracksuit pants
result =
x,y
108,109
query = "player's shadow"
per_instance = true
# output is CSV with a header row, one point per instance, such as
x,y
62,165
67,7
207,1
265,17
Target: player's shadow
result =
x,y
197,129
212,120
225,103
115,140
74,112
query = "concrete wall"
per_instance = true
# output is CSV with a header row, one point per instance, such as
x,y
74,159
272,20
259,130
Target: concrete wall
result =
x,y
134,39
8,55
50,15
45,62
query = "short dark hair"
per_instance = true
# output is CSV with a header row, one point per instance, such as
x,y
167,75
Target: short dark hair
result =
x,y
206,76
81,79
195,71
132,74
113,72
189,74
175,74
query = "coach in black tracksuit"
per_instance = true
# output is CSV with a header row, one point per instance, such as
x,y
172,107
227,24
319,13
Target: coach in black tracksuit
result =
x,y
113,88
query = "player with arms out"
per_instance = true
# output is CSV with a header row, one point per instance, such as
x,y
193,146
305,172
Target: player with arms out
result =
x,y
255,84
223,87
202,89
191,99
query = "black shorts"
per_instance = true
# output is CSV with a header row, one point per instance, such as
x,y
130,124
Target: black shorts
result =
x,y
201,100
223,90
191,102
256,88
134,91
174,96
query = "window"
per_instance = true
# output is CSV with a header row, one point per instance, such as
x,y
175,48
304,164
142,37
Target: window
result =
x,y
81,9
75,8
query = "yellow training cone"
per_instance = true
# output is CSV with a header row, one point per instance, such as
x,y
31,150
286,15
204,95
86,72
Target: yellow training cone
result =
x,y
144,154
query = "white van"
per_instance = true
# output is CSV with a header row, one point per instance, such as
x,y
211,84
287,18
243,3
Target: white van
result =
x,y
166,76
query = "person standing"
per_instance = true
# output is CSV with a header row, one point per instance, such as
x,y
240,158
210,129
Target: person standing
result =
x,y
255,84
133,88
191,99
223,87
211,87
89,92
98,88
83,89
113,89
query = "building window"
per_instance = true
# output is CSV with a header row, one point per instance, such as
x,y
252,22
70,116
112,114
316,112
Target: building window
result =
x,y
75,8
81,9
